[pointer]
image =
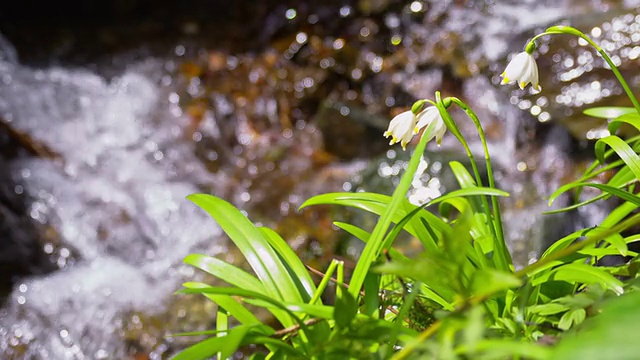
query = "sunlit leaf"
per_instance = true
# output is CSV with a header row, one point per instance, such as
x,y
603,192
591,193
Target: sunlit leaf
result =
x,y
292,263
632,119
377,204
581,273
279,306
235,308
548,309
312,310
225,271
626,153
474,191
609,112
625,195
255,248
364,237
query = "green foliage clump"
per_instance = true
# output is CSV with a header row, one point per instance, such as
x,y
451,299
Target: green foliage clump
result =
x,y
461,298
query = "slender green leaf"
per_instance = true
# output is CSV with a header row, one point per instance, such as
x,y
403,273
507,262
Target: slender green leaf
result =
x,y
311,310
235,309
345,310
474,191
199,288
548,309
225,271
364,236
609,112
625,195
377,204
632,119
255,248
222,325
623,150
371,294
581,273
292,262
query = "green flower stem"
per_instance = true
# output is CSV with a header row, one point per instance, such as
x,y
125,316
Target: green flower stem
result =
x,y
497,217
340,280
502,260
374,246
222,325
323,283
573,31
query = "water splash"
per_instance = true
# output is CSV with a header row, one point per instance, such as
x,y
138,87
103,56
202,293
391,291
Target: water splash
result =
x,y
120,212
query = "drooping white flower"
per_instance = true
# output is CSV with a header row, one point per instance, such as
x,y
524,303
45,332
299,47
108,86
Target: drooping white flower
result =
x,y
429,115
523,70
404,126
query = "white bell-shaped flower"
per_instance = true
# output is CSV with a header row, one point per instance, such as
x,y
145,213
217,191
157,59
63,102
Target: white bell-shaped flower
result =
x,y
404,126
523,70
429,115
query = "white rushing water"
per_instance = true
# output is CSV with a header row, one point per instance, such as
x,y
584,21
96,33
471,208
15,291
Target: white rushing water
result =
x,y
116,202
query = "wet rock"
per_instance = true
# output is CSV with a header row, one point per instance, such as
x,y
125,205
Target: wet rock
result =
x,y
349,131
21,249
22,239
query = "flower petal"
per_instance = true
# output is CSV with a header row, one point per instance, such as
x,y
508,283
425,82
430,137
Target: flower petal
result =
x,y
427,116
401,128
516,67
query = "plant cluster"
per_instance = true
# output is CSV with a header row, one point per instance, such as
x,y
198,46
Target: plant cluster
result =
x,y
461,298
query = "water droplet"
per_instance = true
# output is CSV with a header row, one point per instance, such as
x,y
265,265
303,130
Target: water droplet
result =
x,y
345,11
301,38
290,14
180,50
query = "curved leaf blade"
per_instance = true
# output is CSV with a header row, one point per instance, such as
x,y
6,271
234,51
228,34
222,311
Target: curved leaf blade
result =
x,y
255,248
609,112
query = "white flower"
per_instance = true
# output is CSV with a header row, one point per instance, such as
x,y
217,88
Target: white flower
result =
x,y
404,126
429,115
522,69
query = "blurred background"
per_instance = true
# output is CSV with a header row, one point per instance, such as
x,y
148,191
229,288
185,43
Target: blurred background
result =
x,y
112,112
